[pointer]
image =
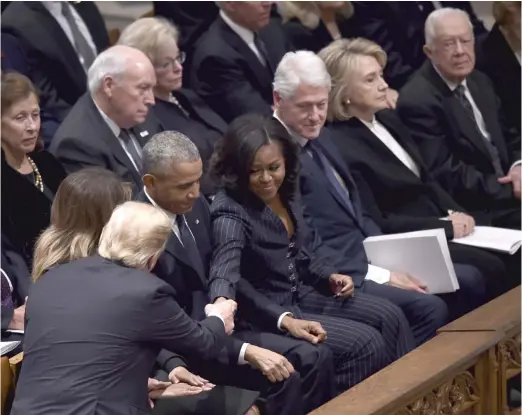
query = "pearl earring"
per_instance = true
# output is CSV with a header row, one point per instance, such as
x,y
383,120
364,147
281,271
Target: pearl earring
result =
x,y
348,101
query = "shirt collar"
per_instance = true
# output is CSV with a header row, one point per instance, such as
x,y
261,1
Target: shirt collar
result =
x,y
370,124
451,85
246,34
300,140
54,7
171,216
112,125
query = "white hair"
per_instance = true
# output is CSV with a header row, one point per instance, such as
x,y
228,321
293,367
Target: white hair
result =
x,y
298,68
110,62
438,16
166,148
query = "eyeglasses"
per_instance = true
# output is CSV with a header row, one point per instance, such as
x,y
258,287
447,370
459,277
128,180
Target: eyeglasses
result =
x,y
170,63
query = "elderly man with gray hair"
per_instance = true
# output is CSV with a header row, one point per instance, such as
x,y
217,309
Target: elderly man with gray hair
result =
x,y
108,126
90,350
453,114
293,376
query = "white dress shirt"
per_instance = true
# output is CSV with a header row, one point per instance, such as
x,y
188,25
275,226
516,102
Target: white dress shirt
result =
x,y
382,133
175,228
245,34
374,273
55,9
116,130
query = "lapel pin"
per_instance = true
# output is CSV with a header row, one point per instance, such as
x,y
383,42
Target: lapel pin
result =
x,y
144,133
197,221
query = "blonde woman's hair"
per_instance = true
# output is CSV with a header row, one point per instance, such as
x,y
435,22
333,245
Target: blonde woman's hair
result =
x,y
82,206
135,233
148,34
308,13
340,58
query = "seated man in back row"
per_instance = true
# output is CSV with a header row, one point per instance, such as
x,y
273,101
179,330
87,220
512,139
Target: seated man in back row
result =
x,y
172,169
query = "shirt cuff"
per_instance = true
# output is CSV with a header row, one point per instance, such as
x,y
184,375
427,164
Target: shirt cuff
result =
x,y
378,274
288,313
241,359
216,314
516,163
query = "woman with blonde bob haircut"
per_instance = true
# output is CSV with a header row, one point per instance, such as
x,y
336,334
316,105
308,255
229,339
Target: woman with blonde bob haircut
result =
x,y
394,184
83,204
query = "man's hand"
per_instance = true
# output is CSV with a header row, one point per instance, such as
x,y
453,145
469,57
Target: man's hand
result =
x,y
463,224
179,389
341,285
513,177
407,282
226,309
391,98
311,331
274,366
18,320
220,300
180,374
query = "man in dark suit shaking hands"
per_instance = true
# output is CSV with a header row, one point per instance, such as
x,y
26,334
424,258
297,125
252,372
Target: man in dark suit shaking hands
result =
x,y
453,115
109,124
293,376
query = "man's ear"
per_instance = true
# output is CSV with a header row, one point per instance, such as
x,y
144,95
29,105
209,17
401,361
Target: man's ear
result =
x,y
108,86
148,180
427,51
151,263
277,100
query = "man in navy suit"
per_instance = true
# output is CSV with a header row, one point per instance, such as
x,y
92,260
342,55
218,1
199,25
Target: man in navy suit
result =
x,y
330,197
172,169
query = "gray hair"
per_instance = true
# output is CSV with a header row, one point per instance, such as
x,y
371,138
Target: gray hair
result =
x,y
297,68
110,62
438,16
166,148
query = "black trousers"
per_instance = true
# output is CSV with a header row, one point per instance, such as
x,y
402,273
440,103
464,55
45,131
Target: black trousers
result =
x,y
311,385
365,332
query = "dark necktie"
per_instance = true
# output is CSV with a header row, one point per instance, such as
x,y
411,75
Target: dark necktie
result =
x,y
329,171
461,96
189,244
6,293
81,44
131,148
261,47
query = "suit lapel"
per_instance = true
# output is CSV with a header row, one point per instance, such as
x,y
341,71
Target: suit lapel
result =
x,y
262,73
196,107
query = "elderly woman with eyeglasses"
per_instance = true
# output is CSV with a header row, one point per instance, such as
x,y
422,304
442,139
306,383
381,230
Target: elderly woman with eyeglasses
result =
x,y
178,108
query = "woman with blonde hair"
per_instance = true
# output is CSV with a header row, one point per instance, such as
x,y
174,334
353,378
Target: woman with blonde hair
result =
x,y
396,187
311,25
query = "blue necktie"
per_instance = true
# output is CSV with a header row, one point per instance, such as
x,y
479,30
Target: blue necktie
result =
x,y
327,168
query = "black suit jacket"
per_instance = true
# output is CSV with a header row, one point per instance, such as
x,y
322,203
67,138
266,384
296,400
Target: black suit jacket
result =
x,y
251,244
397,198
26,211
84,139
91,349
449,140
398,27
229,76
324,210
55,66
496,59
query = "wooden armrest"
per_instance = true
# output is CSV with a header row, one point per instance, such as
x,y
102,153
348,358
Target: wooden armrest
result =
x,y
500,314
439,360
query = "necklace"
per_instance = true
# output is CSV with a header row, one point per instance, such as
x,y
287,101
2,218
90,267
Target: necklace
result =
x,y
38,182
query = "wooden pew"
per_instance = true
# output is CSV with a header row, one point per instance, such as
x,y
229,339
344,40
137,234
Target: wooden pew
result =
x,y
447,375
502,315
9,371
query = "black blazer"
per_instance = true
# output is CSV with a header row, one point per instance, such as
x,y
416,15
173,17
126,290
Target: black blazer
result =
x,y
251,243
496,59
91,349
229,76
398,200
54,62
449,140
324,210
26,211
84,139
190,281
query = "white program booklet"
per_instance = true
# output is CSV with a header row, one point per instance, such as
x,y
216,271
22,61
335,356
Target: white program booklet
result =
x,y
495,239
423,254
7,347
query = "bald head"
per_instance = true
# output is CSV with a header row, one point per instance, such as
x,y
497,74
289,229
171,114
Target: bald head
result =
x,y
121,80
